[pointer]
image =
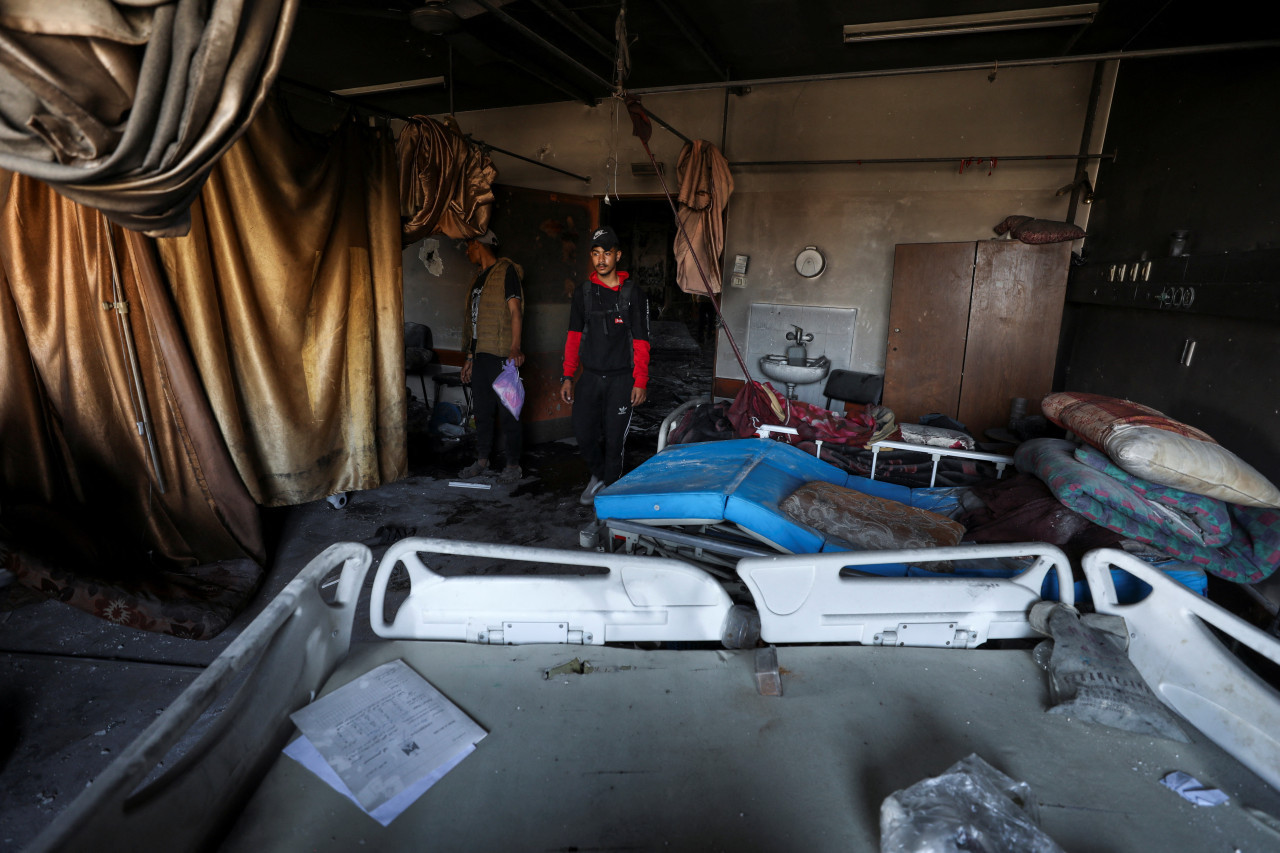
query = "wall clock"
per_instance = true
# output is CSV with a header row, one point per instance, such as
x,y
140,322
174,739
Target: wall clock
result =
x,y
810,263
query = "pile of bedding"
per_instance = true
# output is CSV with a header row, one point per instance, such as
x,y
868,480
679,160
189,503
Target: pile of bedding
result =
x,y
1137,479
1158,482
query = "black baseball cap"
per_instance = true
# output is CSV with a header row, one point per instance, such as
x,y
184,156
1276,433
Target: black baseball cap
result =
x,y
604,238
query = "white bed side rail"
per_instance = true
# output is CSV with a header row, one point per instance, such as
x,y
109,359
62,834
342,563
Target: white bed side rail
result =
x,y
936,453
1189,668
640,599
803,598
289,650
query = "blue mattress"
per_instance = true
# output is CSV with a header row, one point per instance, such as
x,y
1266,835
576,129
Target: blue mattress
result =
x,y
742,482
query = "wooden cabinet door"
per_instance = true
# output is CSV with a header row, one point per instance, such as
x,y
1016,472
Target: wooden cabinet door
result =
x,y
928,317
1014,320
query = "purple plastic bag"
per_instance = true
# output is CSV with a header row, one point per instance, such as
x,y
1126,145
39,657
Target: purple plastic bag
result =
x,y
510,389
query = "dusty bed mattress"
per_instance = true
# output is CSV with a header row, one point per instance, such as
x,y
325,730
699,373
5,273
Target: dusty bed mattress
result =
x,y
677,750
743,482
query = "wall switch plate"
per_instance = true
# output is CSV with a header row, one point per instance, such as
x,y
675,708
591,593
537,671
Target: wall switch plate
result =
x,y
738,281
740,264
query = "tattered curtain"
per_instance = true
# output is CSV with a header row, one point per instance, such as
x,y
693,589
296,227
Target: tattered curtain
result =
x,y
126,106
705,187
290,288
445,181
82,515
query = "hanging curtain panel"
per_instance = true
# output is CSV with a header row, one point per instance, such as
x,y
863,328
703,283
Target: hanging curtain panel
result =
x,y
290,289
116,484
125,107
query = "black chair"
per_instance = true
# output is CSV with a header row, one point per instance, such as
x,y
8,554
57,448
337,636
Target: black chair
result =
x,y
849,386
419,355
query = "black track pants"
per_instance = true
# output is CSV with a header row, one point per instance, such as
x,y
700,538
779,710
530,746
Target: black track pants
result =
x,y
601,418
490,412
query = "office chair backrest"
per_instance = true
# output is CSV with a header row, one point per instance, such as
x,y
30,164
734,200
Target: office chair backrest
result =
x,y
850,386
417,335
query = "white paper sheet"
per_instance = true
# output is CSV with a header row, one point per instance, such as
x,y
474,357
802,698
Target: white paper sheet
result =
x,y
387,731
305,753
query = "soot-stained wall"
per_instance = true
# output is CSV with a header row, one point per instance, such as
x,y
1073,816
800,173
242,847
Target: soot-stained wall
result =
x,y
1196,141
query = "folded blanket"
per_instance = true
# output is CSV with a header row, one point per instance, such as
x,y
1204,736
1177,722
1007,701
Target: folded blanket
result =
x,y
858,521
1234,542
1202,518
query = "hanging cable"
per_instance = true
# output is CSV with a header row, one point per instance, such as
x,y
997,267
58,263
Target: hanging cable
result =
x,y
642,130
611,164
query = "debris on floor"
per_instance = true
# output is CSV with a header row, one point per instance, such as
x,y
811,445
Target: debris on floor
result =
x,y
971,806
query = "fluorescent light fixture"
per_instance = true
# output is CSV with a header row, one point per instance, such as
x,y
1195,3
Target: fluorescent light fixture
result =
x,y
421,83
986,22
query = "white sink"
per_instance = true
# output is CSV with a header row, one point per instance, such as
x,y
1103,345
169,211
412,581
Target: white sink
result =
x,y
777,368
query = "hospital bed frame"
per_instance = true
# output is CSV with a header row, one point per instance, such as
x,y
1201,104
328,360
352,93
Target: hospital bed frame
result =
x,y
669,748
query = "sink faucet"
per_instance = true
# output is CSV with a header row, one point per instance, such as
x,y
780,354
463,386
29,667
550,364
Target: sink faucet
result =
x,y
799,335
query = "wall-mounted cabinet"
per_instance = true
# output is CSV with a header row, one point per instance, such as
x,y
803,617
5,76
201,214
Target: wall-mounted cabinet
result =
x,y
971,327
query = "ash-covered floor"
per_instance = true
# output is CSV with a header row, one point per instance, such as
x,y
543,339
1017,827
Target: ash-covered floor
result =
x,y
76,689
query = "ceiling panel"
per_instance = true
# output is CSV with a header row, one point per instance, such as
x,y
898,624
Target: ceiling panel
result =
x,y
516,52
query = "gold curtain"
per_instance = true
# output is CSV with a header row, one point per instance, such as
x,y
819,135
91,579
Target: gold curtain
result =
x,y
290,289
82,514
445,181
126,106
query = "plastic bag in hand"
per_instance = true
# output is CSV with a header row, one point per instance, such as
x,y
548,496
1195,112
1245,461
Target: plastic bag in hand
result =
x,y
509,387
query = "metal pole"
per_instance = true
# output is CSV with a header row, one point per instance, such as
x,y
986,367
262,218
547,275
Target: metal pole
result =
x,y
1086,138
691,35
121,307
544,44
568,19
650,114
329,97
1154,53
883,160
585,180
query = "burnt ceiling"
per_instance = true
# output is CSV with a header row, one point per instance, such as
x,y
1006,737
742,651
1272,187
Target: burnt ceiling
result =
x,y
500,53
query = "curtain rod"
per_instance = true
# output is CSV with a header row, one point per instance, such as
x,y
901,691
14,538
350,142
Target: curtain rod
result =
x,y
482,144
881,160
331,98
1154,53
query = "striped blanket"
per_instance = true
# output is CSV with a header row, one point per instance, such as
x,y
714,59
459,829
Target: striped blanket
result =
x,y
1234,542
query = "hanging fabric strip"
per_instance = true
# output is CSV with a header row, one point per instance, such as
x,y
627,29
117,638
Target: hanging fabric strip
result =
x,y
705,185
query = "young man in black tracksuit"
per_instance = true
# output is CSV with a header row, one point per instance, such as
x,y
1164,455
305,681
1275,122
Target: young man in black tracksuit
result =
x,y
609,337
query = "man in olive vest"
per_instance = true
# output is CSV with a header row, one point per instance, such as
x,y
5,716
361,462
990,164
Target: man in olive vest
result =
x,y
491,334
